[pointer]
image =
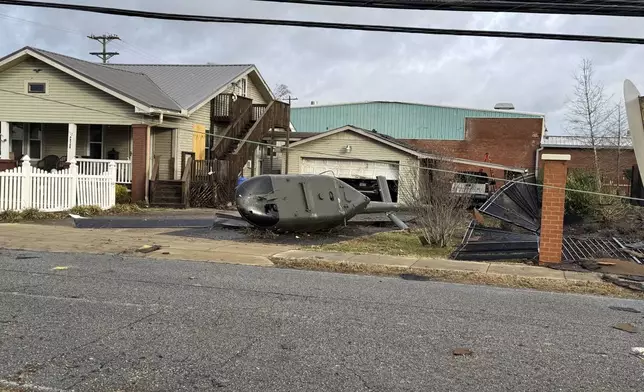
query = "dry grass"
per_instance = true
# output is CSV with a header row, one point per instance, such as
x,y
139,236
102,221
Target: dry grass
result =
x,y
474,278
32,215
393,243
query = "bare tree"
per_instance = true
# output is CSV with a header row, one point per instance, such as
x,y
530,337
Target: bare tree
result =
x,y
618,133
440,209
589,111
282,91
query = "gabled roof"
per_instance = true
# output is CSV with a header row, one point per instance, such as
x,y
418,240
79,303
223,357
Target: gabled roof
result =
x,y
391,142
403,147
178,89
188,85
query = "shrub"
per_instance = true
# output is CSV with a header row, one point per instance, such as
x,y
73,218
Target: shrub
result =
x,y
122,194
578,203
125,209
87,210
33,214
10,216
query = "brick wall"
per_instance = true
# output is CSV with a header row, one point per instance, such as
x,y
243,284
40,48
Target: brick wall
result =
x,y
584,159
507,141
552,211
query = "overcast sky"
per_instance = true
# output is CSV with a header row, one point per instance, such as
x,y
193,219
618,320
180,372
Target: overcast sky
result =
x,y
343,66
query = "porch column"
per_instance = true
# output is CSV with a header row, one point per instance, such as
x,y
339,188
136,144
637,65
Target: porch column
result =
x,y
71,142
4,140
140,152
555,172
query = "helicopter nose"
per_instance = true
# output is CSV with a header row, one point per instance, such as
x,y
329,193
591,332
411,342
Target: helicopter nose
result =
x,y
254,208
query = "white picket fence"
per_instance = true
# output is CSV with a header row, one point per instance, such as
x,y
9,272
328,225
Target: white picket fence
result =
x,y
28,187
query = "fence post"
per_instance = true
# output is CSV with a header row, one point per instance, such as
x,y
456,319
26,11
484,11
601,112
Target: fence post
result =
x,y
111,171
73,183
25,192
555,172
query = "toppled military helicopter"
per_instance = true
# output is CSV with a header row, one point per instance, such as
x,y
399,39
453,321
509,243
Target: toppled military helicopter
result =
x,y
308,203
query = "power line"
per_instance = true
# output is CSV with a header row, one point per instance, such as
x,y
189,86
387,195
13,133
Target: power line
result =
x,y
331,155
584,7
327,25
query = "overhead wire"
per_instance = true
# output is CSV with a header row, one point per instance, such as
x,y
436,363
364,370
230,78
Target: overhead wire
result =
x,y
328,25
122,42
299,149
597,8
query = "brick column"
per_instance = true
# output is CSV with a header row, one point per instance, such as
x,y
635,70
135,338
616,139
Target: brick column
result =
x,y
555,172
140,149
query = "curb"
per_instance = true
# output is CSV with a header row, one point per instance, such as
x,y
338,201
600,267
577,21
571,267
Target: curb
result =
x,y
411,264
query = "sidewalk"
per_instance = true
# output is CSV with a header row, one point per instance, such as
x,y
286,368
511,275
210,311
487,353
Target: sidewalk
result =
x,y
37,237
48,238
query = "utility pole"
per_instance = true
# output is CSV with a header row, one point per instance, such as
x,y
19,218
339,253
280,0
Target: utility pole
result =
x,y
104,40
288,134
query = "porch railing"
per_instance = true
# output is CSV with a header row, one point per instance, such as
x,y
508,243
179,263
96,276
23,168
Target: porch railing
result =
x,y
96,167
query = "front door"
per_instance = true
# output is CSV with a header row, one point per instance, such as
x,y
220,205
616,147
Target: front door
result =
x,y
163,148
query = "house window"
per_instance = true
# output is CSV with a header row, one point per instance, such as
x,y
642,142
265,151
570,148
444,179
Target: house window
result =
x,y
37,88
35,141
96,141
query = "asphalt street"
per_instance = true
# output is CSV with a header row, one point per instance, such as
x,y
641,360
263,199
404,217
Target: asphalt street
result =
x,y
108,323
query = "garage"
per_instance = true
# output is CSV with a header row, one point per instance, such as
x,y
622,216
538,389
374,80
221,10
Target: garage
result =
x,y
346,168
350,154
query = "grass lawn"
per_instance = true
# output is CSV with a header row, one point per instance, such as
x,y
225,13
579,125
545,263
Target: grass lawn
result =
x,y
394,243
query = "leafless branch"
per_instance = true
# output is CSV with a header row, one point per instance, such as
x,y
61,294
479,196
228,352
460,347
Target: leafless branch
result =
x,y
439,205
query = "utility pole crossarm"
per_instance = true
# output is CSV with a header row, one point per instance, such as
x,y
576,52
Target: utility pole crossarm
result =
x,y
104,40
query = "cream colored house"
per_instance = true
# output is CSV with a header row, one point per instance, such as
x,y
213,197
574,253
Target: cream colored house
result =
x,y
54,107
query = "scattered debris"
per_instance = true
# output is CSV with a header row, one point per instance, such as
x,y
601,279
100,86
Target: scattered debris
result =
x,y
622,309
60,268
462,351
626,327
148,248
605,263
625,281
192,278
166,253
26,257
638,352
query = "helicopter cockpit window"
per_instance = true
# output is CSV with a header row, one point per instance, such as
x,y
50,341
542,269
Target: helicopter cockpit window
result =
x,y
255,186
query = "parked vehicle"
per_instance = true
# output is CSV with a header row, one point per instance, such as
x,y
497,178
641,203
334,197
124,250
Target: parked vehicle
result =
x,y
477,184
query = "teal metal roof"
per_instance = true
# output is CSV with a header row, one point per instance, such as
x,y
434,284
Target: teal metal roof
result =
x,y
397,119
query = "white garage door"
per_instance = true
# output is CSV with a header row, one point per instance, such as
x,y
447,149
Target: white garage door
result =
x,y
349,169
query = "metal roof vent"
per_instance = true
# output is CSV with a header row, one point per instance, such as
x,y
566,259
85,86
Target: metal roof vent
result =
x,y
504,106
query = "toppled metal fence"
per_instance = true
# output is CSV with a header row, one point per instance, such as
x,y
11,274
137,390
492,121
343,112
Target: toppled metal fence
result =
x,y
517,207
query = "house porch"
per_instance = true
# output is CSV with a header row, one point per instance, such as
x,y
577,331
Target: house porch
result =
x,y
50,145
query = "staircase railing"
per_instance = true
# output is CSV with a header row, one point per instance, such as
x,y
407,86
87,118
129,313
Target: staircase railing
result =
x,y
242,112
275,115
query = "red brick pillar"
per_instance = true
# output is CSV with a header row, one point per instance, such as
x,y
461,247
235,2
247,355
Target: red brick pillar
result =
x,y
555,172
140,149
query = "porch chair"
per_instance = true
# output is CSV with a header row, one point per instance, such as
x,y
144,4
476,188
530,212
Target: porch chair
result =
x,y
48,163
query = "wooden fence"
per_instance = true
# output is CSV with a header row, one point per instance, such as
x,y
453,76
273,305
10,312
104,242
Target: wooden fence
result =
x,y
211,184
28,187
